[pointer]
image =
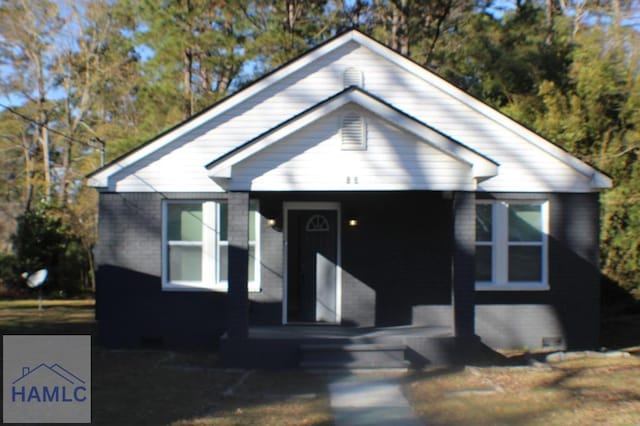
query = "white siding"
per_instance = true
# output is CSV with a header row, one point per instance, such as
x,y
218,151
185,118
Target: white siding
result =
x,y
180,165
312,159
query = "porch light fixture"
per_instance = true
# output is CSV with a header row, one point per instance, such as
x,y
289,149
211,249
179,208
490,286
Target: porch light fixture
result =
x,y
271,222
353,222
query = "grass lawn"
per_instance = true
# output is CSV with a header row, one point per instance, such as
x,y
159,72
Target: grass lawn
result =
x,y
574,392
163,387
157,387
56,317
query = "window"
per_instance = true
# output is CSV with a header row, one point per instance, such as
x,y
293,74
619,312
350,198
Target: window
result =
x,y
196,245
511,245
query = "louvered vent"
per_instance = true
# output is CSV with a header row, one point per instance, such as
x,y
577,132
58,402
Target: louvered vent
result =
x,y
353,131
353,77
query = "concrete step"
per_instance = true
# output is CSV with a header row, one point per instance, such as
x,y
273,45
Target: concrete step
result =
x,y
351,356
352,347
354,365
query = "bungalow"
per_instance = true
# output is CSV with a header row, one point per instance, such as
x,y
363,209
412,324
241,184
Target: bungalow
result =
x,y
350,201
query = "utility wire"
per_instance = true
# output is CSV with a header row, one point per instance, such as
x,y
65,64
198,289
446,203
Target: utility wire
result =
x,y
52,130
102,148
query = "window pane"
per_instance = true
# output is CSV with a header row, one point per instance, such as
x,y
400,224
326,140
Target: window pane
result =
x,y
185,263
223,221
525,222
223,265
525,263
483,263
185,222
483,222
252,263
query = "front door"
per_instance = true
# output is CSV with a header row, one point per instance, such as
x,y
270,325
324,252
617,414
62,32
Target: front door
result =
x,y
311,266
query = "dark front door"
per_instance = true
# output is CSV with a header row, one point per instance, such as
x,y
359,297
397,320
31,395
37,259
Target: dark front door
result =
x,y
311,262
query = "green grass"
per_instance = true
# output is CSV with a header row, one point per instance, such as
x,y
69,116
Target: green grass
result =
x,y
164,387
55,317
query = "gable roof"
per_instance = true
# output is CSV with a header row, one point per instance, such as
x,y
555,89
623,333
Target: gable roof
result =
x,y
482,166
100,178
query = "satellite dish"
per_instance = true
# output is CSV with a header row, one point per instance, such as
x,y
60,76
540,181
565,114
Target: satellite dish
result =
x,y
36,279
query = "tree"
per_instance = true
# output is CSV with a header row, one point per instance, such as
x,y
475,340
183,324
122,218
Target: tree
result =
x,y
43,241
27,40
414,28
197,48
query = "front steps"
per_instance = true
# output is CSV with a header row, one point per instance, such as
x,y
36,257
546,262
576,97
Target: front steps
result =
x,y
353,356
318,347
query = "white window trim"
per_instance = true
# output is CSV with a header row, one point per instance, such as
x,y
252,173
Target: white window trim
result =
x,y
210,257
500,243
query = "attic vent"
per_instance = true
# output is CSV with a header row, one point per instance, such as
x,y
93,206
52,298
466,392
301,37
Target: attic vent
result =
x,y
353,132
353,77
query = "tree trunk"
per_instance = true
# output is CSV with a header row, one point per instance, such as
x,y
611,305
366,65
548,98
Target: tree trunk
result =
x,y
188,78
28,168
43,130
549,12
46,160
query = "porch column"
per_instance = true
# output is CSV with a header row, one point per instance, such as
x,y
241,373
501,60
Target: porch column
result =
x,y
464,234
238,275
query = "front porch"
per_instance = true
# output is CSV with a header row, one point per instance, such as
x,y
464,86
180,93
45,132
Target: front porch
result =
x,y
394,291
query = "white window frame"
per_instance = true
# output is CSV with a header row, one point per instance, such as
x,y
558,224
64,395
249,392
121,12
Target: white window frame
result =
x,y
500,248
210,248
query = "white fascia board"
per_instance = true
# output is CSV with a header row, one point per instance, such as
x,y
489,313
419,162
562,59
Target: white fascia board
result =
x,y
482,167
598,179
101,178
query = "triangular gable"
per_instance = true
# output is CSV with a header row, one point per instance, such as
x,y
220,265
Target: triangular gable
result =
x,y
593,178
481,167
99,178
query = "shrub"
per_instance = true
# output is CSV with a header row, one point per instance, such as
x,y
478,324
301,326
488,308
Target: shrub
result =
x,y
42,241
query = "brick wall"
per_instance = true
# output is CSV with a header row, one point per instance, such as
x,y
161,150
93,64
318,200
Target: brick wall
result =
x,y
570,309
396,271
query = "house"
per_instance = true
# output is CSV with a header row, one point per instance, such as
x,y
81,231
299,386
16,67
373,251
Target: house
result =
x,y
350,194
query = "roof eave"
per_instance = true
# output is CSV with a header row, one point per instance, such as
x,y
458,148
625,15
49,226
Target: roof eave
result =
x,y
101,176
600,181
